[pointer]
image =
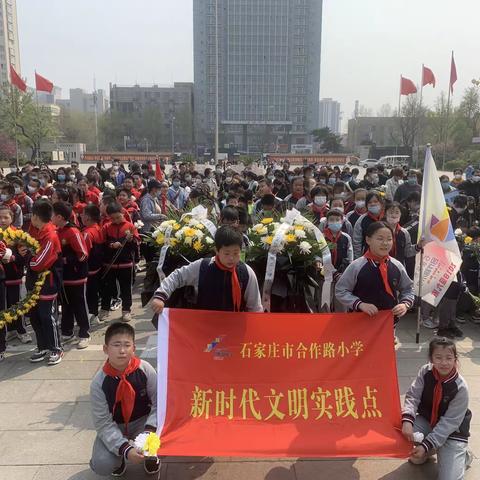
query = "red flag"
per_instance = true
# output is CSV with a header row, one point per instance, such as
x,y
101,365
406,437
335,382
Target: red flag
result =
x,y
428,78
158,170
453,73
16,80
42,84
407,87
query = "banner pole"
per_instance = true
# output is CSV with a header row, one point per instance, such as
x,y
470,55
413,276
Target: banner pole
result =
x,y
419,308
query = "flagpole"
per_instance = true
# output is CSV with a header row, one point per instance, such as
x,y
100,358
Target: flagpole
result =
x,y
419,295
400,96
95,101
37,150
446,117
419,116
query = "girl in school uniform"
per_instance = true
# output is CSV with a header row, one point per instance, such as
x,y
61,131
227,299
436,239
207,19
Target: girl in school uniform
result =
x,y
436,406
375,212
376,281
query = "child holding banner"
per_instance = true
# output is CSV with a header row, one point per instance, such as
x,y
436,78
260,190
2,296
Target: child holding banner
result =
x,y
376,281
123,397
436,406
221,283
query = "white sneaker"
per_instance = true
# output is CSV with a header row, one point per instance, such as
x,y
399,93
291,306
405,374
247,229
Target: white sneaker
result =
x,y
25,337
126,317
94,320
83,343
430,323
115,304
103,315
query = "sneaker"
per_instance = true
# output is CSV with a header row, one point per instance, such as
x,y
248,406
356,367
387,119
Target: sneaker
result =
x,y
68,338
103,315
2,356
445,332
126,317
94,320
39,356
83,343
456,332
25,337
152,465
429,323
476,317
115,304
461,319
120,470
55,357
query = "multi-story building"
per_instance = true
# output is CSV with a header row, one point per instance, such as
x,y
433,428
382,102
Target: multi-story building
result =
x,y
84,102
169,107
268,71
9,45
329,115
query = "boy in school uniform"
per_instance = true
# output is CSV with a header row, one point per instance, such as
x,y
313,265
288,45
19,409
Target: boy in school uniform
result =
x,y
221,283
123,397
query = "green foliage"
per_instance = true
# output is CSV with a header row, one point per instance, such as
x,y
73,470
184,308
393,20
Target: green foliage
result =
x,y
330,142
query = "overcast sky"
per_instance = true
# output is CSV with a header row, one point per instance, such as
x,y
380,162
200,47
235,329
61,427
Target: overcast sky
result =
x,y
366,45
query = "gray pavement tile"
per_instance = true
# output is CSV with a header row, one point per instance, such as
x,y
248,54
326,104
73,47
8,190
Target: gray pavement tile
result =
x,y
18,472
23,370
14,391
36,416
62,391
81,418
279,470
66,472
63,447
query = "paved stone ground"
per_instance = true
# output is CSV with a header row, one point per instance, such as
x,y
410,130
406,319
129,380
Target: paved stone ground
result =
x,y
46,431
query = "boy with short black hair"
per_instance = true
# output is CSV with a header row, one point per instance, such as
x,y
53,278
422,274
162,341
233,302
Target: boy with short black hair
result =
x,y
75,273
42,316
221,283
123,397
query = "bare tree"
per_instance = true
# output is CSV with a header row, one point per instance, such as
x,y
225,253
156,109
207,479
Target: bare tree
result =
x,y
410,121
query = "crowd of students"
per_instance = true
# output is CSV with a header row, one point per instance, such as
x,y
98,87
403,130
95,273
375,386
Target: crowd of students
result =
x,y
89,226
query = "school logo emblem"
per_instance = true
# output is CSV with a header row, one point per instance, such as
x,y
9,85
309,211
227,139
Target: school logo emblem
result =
x,y
218,352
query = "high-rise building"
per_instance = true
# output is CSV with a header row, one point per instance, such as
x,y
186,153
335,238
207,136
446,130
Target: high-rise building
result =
x,y
9,46
84,102
269,71
329,115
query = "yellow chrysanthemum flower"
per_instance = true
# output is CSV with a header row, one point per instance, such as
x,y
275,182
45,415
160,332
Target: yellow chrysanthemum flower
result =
x,y
189,232
266,221
290,238
198,246
468,240
269,240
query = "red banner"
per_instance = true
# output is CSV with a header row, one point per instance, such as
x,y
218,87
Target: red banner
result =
x,y
278,385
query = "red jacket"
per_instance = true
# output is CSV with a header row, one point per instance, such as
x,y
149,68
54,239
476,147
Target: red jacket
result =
x,y
117,233
95,241
92,197
75,255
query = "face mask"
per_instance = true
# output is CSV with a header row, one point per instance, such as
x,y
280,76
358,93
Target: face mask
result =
x,y
445,186
116,167
458,176
34,177
335,226
374,209
228,179
332,181
17,190
412,180
72,177
360,204
31,189
393,219
3,197
323,181
61,178
475,178
176,183
320,201
459,209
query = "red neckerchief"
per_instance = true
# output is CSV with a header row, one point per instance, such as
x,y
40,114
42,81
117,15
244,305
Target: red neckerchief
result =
x,y
320,211
236,289
383,267
393,251
125,394
437,393
329,235
375,218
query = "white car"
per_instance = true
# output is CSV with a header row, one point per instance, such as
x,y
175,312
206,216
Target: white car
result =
x,y
369,162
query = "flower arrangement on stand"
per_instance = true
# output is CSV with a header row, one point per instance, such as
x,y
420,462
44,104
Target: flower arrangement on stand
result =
x,y
283,254
13,238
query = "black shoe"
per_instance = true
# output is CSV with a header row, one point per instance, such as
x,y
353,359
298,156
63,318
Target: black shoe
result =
x,y
152,465
39,356
445,332
120,470
456,332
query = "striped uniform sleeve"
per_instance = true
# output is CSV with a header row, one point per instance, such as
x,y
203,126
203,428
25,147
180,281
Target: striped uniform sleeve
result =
x,y
44,259
406,294
77,243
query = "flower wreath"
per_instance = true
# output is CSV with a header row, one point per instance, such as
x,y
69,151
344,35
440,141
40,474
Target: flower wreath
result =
x,y
13,238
